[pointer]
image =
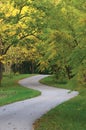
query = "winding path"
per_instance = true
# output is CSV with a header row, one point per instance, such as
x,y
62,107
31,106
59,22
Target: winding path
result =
x,y
21,115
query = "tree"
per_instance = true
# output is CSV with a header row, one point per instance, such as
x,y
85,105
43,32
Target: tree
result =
x,y
19,22
65,33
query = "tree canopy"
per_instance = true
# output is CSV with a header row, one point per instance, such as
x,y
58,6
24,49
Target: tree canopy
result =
x,y
53,33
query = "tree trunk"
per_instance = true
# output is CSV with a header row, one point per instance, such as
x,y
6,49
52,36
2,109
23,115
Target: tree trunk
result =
x,y
32,67
1,72
68,71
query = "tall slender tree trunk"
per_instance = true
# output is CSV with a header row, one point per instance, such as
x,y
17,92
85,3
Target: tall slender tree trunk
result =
x,y
32,67
68,71
1,69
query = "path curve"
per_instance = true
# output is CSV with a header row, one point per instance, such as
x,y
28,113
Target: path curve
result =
x,y
21,115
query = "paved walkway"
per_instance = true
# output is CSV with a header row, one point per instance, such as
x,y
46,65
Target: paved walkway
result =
x,y
21,115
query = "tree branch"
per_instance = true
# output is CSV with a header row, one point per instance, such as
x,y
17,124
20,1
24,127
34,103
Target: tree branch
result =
x,y
5,51
29,35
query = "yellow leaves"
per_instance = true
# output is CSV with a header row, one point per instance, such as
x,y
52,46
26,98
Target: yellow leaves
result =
x,y
27,9
56,1
24,10
1,20
22,25
43,65
2,59
52,49
7,28
3,62
63,10
16,54
8,9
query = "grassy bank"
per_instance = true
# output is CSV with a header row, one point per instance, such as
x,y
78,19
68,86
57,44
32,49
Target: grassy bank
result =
x,y
70,115
11,91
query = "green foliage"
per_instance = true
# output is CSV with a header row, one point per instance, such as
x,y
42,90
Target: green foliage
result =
x,y
56,29
64,46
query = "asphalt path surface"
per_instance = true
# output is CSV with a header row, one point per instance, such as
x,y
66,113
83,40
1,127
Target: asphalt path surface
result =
x,y
21,115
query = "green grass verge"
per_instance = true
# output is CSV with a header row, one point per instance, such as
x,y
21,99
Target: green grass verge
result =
x,y
11,91
70,115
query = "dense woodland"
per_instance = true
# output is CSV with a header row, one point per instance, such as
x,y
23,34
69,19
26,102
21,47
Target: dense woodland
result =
x,y
44,36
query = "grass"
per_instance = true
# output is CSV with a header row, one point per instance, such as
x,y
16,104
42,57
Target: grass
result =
x,y
11,91
70,115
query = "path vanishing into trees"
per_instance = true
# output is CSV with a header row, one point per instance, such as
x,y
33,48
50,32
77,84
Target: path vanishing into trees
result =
x,y
21,115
